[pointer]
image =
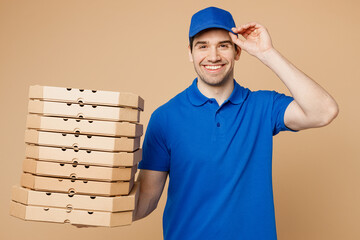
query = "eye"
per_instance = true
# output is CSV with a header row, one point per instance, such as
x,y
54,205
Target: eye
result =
x,y
202,46
224,45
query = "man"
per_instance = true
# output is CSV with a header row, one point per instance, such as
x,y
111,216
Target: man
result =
x,y
214,139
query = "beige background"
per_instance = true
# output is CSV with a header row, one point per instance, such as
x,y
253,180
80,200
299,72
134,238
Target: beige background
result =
x,y
141,47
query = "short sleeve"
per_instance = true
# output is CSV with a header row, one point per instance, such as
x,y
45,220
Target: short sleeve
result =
x,y
156,155
280,103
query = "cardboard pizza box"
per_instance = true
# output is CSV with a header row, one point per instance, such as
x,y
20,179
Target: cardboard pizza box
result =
x,y
82,126
75,171
76,202
66,215
83,157
90,112
84,96
76,186
77,141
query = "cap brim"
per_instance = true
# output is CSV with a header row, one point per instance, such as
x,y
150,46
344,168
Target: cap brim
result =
x,y
202,28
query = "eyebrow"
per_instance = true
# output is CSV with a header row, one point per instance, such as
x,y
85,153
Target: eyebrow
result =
x,y
205,42
227,41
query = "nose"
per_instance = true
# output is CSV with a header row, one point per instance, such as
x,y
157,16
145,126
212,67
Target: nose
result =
x,y
214,55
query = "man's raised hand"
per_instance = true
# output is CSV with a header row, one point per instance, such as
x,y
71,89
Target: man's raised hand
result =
x,y
256,38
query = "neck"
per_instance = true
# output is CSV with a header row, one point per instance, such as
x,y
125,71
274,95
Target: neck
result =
x,y
219,92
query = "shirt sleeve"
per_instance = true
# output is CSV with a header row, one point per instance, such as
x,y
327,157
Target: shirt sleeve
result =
x,y
156,155
280,103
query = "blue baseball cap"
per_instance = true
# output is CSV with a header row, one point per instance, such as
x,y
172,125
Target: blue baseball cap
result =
x,y
211,17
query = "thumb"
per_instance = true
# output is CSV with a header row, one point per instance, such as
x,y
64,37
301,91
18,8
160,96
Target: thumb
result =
x,y
236,40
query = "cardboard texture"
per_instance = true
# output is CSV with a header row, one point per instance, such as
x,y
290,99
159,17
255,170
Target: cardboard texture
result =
x,y
72,186
90,112
83,157
85,96
82,151
65,215
75,171
77,141
76,202
92,127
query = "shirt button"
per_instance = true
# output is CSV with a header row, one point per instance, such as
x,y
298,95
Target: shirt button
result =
x,y
210,101
218,124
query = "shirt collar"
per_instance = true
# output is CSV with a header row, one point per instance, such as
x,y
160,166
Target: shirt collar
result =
x,y
237,96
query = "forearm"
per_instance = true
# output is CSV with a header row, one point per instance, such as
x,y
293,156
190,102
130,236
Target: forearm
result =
x,y
314,101
151,187
144,206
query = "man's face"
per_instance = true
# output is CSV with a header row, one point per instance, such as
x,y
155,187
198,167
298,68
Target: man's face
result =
x,y
214,56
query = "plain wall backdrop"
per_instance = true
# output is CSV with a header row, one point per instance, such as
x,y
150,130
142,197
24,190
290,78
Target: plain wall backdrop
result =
x,y
141,47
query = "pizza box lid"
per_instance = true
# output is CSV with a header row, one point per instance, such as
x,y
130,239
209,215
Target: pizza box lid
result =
x,y
85,96
83,157
66,215
82,126
89,112
76,186
79,141
76,171
76,202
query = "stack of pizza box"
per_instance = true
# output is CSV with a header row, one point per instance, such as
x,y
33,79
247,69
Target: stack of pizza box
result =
x,y
82,151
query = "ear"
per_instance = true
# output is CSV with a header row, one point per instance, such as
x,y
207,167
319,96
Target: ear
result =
x,y
190,55
237,52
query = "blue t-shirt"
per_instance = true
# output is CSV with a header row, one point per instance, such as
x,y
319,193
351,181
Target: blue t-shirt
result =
x,y
219,161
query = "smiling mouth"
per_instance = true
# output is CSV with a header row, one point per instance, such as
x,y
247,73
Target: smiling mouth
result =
x,y
213,68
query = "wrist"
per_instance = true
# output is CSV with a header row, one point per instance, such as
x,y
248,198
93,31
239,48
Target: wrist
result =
x,y
267,56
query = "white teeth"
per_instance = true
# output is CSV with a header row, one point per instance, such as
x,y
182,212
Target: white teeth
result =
x,y
213,67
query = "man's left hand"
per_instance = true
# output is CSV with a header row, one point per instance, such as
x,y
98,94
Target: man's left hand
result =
x,y
256,41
